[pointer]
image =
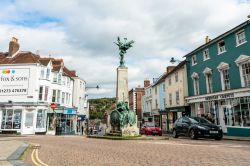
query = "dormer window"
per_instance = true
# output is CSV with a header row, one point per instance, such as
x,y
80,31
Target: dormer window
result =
x,y
221,47
194,60
42,73
206,54
240,37
55,77
48,74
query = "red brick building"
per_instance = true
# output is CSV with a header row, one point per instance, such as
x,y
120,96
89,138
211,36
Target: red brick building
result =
x,y
135,96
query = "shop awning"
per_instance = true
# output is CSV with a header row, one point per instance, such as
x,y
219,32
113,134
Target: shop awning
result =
x,y
175,109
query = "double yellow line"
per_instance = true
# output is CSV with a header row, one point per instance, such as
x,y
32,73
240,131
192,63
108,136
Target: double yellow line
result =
x,y
34,156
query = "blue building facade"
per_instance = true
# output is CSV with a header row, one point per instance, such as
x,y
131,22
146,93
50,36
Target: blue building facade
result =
x,y
218,75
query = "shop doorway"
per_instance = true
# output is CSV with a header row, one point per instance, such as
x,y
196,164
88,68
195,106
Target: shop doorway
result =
x,y
226,117
28,123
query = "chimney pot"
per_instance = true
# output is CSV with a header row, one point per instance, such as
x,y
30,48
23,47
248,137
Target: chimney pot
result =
x,y
146,83
207,39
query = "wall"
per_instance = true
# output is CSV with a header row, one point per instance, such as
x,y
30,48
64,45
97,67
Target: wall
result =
x,y
231,54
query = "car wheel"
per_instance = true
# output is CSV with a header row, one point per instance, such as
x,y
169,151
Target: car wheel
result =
x,y
175,135
192,134
218,138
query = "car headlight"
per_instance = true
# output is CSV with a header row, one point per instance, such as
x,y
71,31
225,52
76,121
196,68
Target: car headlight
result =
x,y
202,128
220,128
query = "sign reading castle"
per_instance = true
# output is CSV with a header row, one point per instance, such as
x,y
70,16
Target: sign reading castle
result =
x,y
14,81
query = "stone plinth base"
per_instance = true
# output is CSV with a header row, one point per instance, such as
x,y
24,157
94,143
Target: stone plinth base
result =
x,y
125,131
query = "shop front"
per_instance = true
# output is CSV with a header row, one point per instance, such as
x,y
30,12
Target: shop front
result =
x,y
230,109
62,118
22,119
170,115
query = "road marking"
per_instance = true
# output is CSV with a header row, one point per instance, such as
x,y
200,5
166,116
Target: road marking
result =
x,y
39,159
34,156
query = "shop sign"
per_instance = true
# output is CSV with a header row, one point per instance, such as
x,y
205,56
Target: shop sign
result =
x,y
14,81
71,111
219,97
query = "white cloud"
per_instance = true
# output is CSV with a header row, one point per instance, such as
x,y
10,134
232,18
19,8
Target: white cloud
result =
x,y
83,31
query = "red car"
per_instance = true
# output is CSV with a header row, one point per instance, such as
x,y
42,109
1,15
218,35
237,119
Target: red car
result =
x,y
151,130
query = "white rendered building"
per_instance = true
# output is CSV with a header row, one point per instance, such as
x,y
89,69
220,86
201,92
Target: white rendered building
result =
x,y
28,85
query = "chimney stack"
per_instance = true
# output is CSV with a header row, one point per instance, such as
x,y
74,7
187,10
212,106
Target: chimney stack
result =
x,y
207,39
13,46
169,68
146,83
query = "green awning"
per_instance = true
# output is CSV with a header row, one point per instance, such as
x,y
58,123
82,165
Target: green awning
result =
x,y
176,109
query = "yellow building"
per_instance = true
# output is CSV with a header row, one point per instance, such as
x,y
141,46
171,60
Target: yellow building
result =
x,y
176,89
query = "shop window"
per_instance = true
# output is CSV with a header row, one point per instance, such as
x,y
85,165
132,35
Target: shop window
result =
x,y
40,119
242,113
11,119
221,47
240,37
17,119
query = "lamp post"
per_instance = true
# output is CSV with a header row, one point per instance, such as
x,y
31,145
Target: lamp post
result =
x,y
174,60
87,119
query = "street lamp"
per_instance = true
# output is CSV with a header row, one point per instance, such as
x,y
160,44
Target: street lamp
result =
x,y
174,60
91,87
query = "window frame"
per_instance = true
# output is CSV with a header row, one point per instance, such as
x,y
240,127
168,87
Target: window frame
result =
x,y
194,60
237,37
204,53
218,46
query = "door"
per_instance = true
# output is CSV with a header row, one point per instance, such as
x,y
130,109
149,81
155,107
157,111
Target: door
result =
x,y
226,117
28,123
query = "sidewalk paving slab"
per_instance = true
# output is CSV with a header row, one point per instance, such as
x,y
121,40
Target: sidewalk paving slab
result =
x,y
10,152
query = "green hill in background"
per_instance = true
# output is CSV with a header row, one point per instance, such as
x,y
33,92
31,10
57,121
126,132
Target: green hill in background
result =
x,y
98,107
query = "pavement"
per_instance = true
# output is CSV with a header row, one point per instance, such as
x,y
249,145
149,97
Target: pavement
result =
x,y
10,151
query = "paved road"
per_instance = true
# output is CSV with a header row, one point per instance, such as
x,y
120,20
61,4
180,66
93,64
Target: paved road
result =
x,y
77,151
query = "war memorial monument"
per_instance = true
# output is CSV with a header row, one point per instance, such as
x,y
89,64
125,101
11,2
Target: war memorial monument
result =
x,y
122,121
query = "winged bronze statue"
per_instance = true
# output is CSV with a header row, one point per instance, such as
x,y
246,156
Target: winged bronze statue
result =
x,y
123,47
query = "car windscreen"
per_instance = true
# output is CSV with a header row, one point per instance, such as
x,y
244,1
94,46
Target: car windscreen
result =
x,y
193,120
201,120
150,124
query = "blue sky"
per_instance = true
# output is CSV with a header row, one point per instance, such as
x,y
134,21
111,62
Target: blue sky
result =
x,y
82,32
